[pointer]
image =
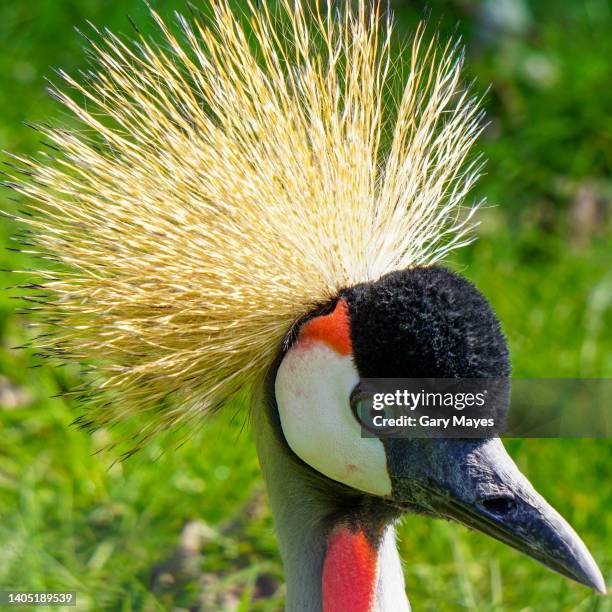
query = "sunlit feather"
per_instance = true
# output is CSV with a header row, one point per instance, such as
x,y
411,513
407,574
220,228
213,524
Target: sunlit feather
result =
x,y
228,179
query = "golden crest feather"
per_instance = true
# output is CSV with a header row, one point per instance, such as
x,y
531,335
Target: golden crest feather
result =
x,y
226,181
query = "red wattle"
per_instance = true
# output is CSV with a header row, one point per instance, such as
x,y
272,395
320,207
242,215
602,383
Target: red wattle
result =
x,y
349,572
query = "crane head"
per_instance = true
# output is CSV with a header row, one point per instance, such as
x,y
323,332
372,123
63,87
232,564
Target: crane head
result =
x,y
221,182
417,323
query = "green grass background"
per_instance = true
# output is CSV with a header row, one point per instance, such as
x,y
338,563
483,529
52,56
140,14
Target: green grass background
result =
x,y
73,518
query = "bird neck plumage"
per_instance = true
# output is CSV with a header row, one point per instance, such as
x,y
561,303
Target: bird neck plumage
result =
x,y
332,561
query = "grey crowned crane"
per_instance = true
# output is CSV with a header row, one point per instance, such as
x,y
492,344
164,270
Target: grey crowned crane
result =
x,y
254,204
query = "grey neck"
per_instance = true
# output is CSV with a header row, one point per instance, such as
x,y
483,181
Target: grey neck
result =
x,y
302,511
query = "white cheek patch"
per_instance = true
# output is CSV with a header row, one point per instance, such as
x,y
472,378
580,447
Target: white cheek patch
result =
x,y
313,387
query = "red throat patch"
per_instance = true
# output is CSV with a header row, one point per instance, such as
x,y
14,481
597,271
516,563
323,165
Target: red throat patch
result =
x,y
349,572
334,329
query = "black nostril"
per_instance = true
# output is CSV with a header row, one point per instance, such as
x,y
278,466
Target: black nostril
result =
x,y
498,505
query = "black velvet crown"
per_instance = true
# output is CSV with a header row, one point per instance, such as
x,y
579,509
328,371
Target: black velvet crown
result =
x,y
425,323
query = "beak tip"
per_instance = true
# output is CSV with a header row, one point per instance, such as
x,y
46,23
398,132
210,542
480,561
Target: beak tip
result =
x,y
600,586
601,589
593,578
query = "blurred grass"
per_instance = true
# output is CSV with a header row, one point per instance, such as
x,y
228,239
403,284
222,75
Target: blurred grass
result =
x,y
74,519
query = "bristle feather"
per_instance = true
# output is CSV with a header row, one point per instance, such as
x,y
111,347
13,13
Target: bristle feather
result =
x,y
231,180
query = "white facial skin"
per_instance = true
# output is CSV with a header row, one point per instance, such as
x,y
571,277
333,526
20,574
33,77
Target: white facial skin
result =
x,y
313,387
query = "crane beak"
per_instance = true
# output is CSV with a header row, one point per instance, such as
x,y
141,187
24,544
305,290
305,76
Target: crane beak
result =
x,y
475,482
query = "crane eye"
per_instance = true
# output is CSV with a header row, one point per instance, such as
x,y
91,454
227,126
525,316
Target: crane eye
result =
x,y
362,407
